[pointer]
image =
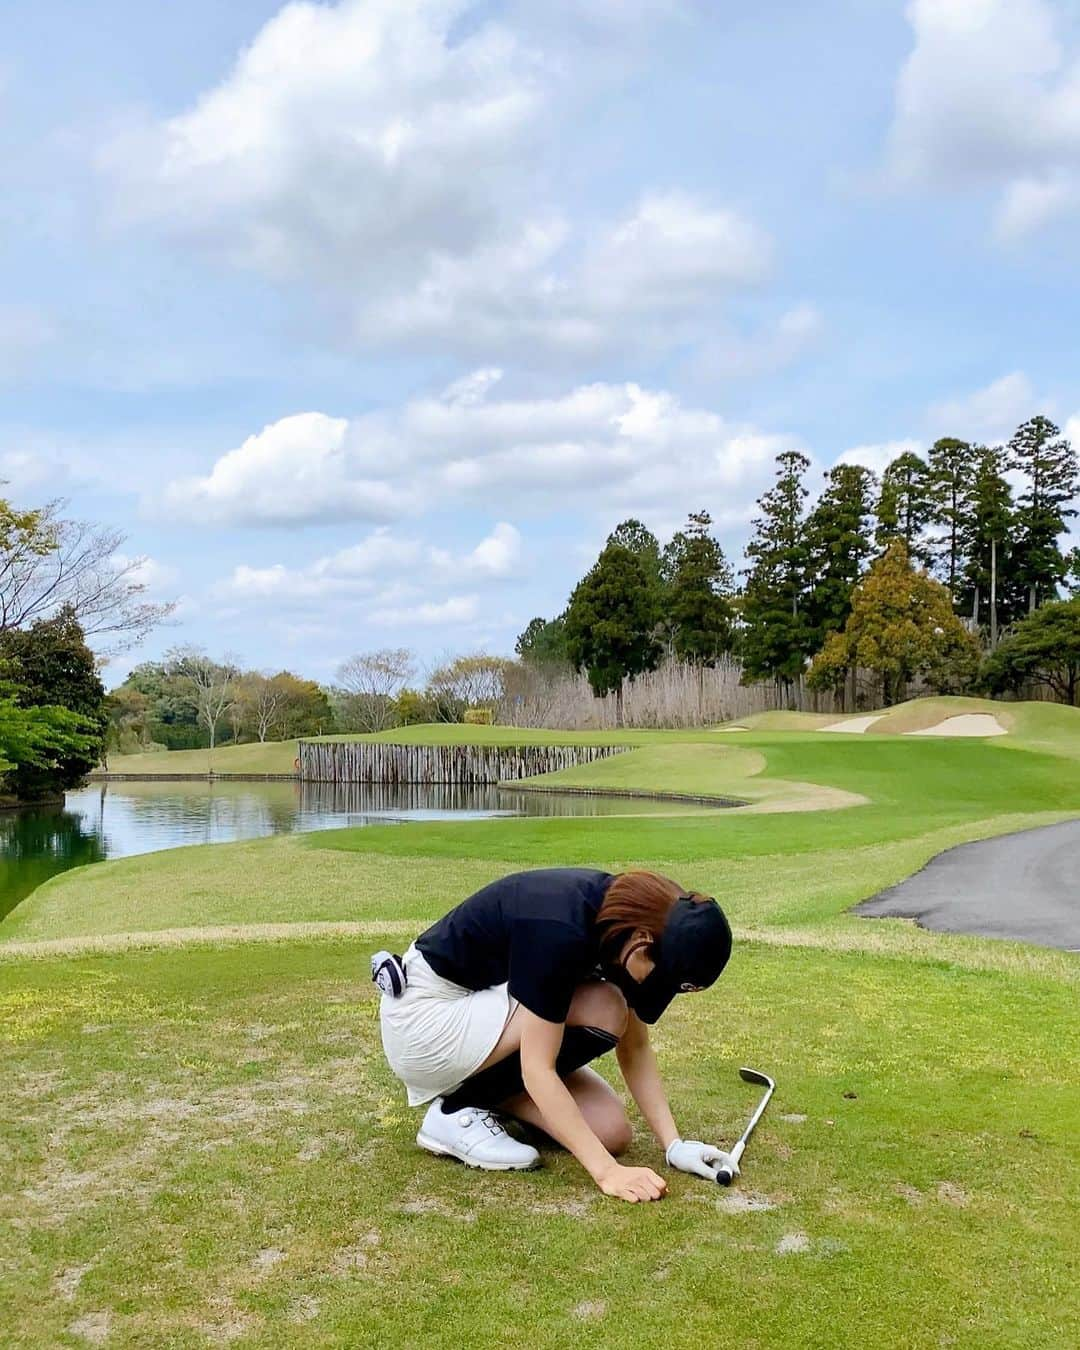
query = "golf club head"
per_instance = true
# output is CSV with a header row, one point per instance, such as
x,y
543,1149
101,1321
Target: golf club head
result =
x,y
754,1076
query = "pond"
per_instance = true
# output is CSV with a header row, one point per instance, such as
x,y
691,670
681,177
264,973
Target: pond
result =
x,y
116,820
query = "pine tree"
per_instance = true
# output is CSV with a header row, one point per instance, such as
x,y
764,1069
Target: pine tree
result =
x,y
776,639
904,507
543,642
1072,576
640,540
951,467
989,592
1044,646
697,598
1049,463
611,621
838,543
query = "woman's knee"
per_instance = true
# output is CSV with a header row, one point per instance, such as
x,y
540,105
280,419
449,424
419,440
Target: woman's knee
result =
x,y
613,1130
599,1004
602,1109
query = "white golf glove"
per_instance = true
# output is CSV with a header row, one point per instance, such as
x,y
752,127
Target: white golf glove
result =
x,y
691,1155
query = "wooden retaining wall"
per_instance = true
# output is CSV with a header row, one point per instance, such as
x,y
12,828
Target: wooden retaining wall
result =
x,y
464,765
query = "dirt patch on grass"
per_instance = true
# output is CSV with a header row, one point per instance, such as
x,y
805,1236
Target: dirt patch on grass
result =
x,y
226,1322
67,1282
744,1202
573,1208
792,1244
304,1308
951,1194
92,1327
267,1259
430,1205
592,1310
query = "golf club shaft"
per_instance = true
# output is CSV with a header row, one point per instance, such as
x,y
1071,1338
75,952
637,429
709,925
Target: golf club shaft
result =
x,y
726,1175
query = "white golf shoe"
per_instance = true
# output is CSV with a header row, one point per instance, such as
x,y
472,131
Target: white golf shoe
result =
x,y
476,1138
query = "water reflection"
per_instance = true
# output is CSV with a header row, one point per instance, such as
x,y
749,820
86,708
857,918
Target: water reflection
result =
x,y
38,842
120,819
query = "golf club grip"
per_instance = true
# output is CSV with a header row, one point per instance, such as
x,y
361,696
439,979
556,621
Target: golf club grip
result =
x,y
724,1176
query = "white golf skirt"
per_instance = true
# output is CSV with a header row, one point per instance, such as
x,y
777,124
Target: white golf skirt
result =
x,y
437,1033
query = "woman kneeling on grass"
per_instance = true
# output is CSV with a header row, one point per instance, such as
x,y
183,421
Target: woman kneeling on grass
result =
x,y
501,1005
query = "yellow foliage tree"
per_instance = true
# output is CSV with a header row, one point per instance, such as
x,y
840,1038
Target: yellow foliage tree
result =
x,y
901,626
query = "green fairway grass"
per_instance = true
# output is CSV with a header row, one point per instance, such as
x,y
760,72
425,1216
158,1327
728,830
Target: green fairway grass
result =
x,y
267,757
203,1144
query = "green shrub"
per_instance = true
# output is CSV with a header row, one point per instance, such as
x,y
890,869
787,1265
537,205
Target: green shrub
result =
x,y
479,717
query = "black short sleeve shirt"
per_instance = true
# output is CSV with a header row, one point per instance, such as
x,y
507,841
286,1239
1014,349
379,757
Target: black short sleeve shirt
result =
x,y
534,930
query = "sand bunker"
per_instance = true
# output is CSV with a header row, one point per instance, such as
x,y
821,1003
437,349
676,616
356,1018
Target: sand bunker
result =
x,y
855,724
966,724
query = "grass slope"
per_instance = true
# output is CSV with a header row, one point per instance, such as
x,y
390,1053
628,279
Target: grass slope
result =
x,y
203,1144
270,757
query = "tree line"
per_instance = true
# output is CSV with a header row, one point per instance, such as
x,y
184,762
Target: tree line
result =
x,y
189,700
913,574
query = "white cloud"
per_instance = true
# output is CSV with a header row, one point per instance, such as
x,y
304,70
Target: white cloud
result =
x,y
881,454
499,555
457,609
1029,203
989,414
774,346
294,470
1072,431
370,152
380,571
349,133
605,447
146,571
28,471
670,253
990,97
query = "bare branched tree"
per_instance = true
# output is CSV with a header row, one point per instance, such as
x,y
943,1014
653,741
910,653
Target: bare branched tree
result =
x,y
212,683
72,562
373,680
267,698
476,681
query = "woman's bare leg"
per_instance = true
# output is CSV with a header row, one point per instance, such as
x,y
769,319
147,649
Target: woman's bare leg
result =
x,y
598,1102
596,1004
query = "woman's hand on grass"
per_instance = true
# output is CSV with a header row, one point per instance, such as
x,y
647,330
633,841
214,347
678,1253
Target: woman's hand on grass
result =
x,y
632,1183
703,1160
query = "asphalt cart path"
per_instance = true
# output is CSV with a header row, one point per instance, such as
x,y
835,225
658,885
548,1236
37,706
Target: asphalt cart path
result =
x,y
1024,886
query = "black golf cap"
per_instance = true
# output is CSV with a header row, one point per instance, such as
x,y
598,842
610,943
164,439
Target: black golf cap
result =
x,y
690,954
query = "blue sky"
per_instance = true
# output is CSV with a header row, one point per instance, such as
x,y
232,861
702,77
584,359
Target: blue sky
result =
x,y
368,321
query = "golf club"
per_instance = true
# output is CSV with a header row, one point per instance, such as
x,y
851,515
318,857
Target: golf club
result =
x,y
725,1175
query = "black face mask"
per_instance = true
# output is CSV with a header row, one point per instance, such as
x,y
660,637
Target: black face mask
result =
x,y
621,978
646,997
